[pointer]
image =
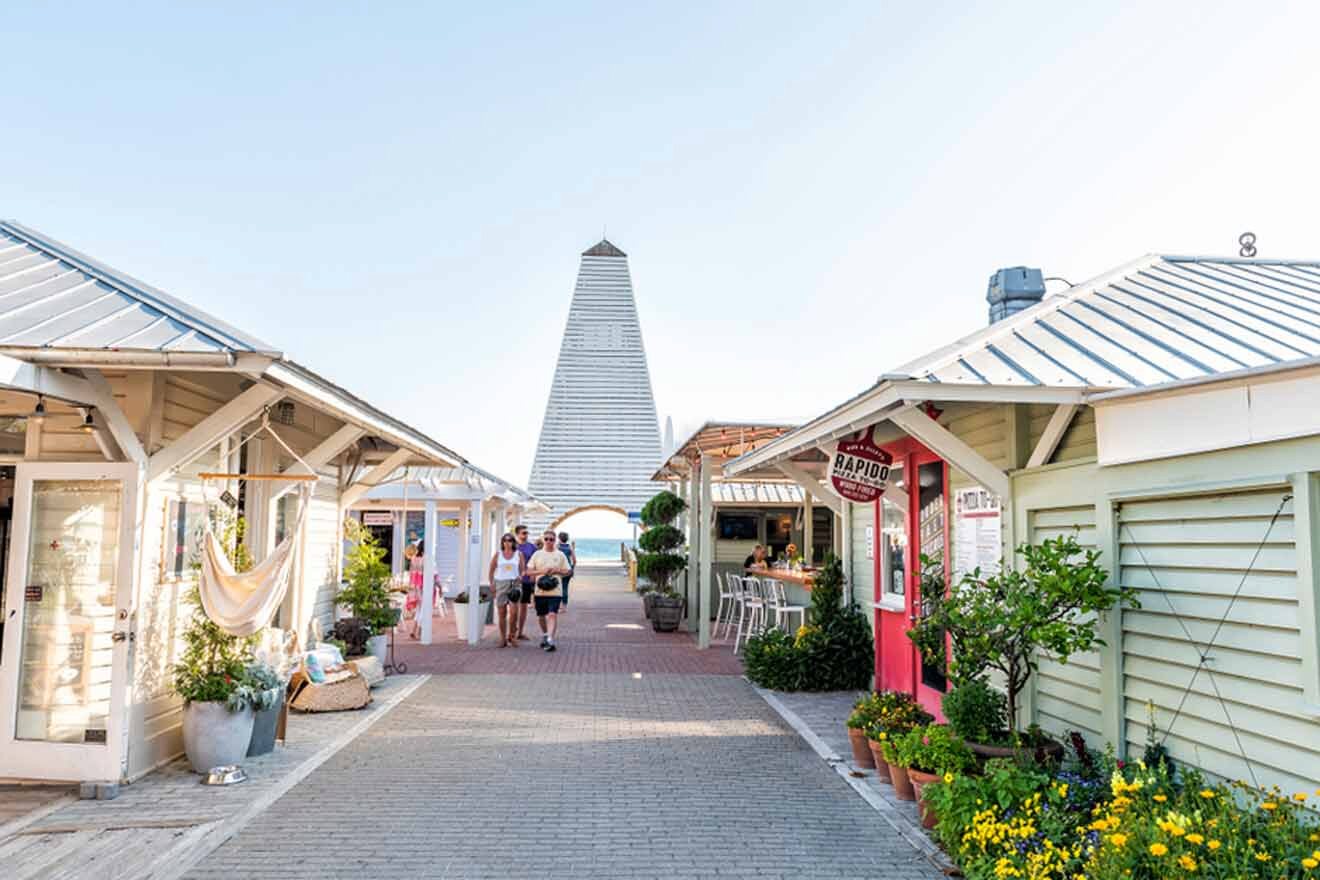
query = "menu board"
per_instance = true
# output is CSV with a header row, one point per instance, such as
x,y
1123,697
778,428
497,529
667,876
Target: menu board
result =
x,y
977,534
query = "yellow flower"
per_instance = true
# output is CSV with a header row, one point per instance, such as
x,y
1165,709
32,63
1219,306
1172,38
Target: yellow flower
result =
x,y
948,777
1300,796
1269,805
1262,857
1195,839
1188,863
1159,798
1207,793
1309,863
1158,849
1213,845
1118,839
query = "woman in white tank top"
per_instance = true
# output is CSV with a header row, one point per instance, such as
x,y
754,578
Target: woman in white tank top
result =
x,y
506,570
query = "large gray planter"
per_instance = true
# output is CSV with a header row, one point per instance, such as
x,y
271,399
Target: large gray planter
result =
x,y
215,737
264,725
379,647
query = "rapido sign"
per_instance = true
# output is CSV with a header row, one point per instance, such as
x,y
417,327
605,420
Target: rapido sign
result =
x,y
859,468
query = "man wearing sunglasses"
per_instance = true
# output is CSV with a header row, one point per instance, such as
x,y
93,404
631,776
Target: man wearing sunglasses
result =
x,y
519,622
547,568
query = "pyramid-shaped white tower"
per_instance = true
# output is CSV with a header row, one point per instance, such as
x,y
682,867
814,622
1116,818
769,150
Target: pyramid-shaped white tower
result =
x,y
600,441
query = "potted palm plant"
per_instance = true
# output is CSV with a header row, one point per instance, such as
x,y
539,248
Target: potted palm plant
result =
x,y
660,560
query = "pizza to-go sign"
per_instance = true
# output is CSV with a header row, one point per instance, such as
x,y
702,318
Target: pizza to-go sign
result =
x,y
859,469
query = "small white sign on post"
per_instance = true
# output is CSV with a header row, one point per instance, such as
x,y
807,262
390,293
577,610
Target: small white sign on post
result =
x,y
977,532
870,542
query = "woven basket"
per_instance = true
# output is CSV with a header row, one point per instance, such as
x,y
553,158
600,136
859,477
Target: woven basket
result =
x,y
340,691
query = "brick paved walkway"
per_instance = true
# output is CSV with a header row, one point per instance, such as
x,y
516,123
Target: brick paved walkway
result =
x,y
602,631
596,774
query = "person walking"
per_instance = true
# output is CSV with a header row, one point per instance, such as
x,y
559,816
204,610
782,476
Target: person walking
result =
x,y
506,571
527,549
570,553
547,569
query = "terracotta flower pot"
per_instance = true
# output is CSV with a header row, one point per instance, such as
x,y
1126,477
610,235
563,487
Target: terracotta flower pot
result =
x,y
878,758
902,785
920,779
860,748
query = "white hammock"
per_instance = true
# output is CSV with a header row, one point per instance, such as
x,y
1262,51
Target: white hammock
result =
x,y
241,603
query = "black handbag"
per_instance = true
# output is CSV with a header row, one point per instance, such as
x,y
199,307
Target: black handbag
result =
x,y
547,582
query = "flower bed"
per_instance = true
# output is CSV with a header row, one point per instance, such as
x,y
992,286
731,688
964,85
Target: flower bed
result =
x,y
1097,819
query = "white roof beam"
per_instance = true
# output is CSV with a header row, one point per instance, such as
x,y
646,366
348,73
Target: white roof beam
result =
x,y
953,450
210,430
374,477
116,423
1054,431
811,485
324,452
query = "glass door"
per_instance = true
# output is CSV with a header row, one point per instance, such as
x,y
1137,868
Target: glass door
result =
x,y
66,664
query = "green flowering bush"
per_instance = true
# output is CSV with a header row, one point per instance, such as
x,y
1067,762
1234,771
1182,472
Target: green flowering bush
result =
x,y
934,748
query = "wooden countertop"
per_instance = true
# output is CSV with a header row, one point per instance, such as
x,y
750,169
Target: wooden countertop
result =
x,y
802,578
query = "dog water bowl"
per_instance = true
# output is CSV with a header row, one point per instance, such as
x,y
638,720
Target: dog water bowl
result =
x,y
224,775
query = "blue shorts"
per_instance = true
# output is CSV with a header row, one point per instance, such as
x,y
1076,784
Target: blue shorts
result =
x,y
547,605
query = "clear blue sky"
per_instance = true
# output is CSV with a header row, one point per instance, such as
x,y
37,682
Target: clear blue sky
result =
x,y
810,193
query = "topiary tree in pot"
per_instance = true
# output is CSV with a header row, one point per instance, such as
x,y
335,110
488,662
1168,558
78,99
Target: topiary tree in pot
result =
x,y
660,560
1006,621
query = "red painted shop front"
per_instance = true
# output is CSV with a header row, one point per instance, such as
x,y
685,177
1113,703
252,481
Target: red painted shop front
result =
x,y
911,520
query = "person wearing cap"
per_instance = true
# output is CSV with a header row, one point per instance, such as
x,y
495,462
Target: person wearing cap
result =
x,y
546,568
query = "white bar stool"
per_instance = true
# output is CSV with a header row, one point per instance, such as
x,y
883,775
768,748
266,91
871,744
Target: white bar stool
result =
x,y
751,611
728,604
778,601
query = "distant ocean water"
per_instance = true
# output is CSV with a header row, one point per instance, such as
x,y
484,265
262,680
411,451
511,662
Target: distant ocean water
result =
x,y
593,549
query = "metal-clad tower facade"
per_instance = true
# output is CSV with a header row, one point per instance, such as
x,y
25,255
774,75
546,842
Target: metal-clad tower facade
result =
x,y
600,440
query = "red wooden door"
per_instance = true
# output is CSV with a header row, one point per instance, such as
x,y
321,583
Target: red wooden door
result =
x,y
914,526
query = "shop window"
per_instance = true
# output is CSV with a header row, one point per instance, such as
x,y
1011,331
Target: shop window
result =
x,y
893,550
185,523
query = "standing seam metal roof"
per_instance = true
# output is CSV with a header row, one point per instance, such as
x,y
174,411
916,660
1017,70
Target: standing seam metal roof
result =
x,y
1159,319
52,296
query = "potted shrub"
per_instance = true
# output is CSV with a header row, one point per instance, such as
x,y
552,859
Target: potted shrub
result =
x,y
211,676
899,715
1004,622
660,560
834,653
365,590
862,717
931,754
461,613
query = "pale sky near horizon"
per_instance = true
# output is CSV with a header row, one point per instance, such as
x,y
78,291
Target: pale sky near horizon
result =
x,y
396,195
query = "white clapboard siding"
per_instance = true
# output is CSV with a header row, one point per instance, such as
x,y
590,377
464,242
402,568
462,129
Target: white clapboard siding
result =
x,y
1187,556
320,567
1068,694
863,585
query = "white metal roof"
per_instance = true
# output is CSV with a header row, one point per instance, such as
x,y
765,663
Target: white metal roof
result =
x,y
60,306
1158,319
1155,321
53,296
754,494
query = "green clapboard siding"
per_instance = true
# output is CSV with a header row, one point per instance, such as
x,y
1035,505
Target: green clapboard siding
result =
x,y
1068,694
1187,556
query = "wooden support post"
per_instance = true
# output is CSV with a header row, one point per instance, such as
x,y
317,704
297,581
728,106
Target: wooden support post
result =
x,y
473,551
808,526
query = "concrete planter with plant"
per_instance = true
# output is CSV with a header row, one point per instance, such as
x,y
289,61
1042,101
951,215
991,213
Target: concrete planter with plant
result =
x,y
366,589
